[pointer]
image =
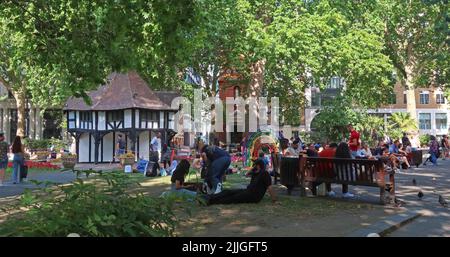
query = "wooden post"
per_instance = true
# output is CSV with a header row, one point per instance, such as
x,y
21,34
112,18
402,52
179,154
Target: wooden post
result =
x,y
97,138
133,138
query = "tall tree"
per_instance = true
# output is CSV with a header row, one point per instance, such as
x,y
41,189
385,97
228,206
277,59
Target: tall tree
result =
x,y
55,49
299,43
417,40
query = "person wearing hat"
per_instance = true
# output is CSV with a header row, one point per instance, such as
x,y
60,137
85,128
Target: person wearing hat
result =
x,y
3,157
254,193
217,162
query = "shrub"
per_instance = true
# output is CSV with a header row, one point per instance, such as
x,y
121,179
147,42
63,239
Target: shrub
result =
x,y
424,140
35,144
103,208
58,144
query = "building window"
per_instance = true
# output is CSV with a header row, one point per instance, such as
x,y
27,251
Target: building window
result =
x,y
115,116
335,83
424,97
149,119
236,92
440,99
441,121
86,116
315,98
405,98
392,98
86,120
171,120
425,120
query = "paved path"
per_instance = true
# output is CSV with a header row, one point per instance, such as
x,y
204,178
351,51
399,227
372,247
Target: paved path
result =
x,y
431,180
8,189
436,219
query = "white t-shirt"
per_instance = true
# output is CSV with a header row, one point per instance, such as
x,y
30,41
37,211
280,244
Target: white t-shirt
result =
x,y
156,144
294,152
365,153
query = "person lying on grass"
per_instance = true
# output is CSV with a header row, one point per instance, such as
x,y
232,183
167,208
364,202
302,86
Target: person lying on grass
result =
x,y
254,193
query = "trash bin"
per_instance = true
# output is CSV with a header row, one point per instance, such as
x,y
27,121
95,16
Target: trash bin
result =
x,y
417,157
289,172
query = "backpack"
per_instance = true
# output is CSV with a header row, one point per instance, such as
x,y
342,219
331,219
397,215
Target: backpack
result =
x,y
152,169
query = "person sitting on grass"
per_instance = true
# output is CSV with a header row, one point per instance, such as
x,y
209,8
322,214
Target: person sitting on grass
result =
x,y
178,178
254,193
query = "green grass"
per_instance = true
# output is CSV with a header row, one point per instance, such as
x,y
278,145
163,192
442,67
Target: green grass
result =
x,y
8,172
288,209
196,217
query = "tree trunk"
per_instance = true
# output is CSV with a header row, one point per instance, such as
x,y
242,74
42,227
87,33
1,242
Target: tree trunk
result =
x,y
20,96
411,103
410,94
257,78
256,84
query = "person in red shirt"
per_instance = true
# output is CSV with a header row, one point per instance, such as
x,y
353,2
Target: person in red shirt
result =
x,y
328,152
354,141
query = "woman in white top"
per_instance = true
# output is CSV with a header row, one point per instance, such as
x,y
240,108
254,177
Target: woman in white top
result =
x,y
365,151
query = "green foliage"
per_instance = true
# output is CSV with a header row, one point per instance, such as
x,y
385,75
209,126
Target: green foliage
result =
x,y
331,122
35,144
103,208
399,123
64,48
417,42
424,140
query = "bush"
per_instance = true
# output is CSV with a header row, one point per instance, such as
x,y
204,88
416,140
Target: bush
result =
x,y
92,209
58,143
35,144
424,140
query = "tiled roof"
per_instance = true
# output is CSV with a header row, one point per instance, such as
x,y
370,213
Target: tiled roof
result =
x,y
123,91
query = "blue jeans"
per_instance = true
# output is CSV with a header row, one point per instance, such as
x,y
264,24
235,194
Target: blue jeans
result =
x,y
433,158
180,192
217,170
354,154
17,165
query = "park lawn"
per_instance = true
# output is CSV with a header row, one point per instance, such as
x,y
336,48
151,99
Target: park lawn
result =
x,y
293,216
8,172
264,218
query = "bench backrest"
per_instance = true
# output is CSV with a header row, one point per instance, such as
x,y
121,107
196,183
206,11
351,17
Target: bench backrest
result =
x,y
337,170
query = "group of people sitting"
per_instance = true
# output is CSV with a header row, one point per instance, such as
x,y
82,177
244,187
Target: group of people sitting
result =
x,y
215,161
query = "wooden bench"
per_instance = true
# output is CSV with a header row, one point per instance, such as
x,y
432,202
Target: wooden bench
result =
x,y
356,172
